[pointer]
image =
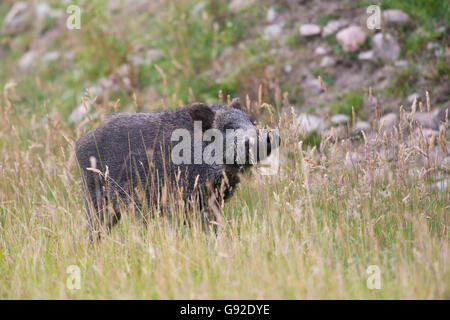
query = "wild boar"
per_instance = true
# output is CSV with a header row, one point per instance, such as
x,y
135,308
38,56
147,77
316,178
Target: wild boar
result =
x,y
157,153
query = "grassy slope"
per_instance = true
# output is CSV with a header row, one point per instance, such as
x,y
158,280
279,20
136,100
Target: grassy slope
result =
x,y
309,232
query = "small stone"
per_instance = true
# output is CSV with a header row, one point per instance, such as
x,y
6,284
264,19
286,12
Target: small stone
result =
x,y
239,5
362,126
443,185
351,158
429,133
269,71
444,164
123,70
27,60
147,58
272,31
332,27
271,14
80,112
443,114
50,57
44,11
433,45
386,47
309,30
394,16
401,63
389,120
198,8
327,62
412,97
312,86
153,54
351,38
320,51
18,19
335,133
287,68
439,31
308,123
366,56
340,119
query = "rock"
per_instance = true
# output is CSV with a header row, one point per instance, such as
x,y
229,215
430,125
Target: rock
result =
x,y
338,119
332,27
427,119
433,45
44,11
80,112
444,164
327,61
309,30
385,47
426,133
312,86
320,51
361,126
443,185
366,56
351,158
19,18
401,63
149,56
198,8
308,123
269,72
272,31
121,77
153,54
393,16
287,68
239,5
335,133
351,38
50,57
443,114
123,70
441,30
412,97
95,91
271,14
27,60
389,120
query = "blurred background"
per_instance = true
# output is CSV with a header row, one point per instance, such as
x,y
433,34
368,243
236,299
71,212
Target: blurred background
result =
x,y
316,56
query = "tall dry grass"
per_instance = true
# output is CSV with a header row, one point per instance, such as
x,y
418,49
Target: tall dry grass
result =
x,y
311,231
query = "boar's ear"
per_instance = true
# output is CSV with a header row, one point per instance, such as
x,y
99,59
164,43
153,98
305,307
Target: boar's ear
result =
x,y
236,104
202,112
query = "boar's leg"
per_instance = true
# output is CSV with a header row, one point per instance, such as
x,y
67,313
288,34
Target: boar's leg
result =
x,y
212,210
102,210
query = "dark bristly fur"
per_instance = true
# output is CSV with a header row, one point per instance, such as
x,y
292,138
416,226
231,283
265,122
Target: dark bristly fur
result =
x,y
133,150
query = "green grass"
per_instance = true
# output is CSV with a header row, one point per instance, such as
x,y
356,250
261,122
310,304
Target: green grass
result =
x,y
346,101
423,11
